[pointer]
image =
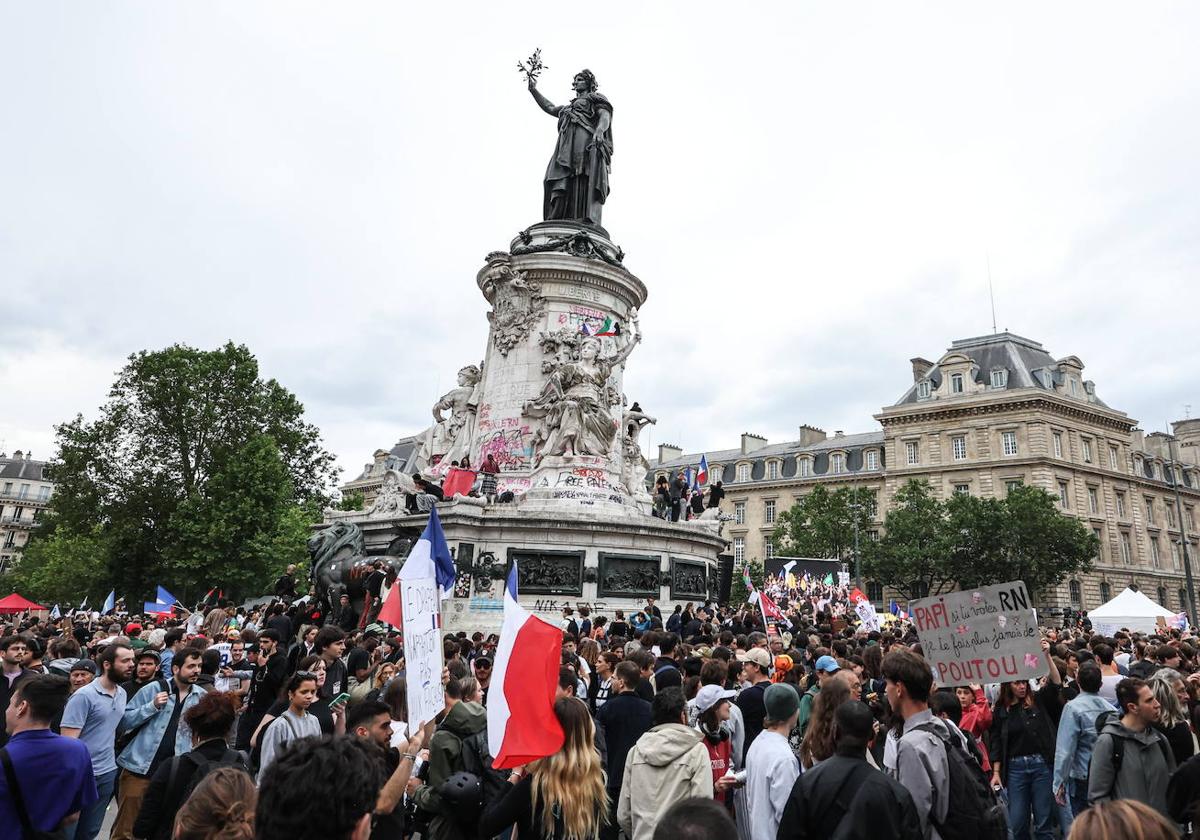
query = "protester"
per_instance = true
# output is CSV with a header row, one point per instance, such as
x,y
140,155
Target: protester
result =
x,y
771,766
820,740
294,723
93,714
826,667
712,709
221,807
154,715
666,764
210,722
920,764
624,719
695,819
13,650
1132,759
146,672
1122,820
1169,691
1076,739
463,720
757,673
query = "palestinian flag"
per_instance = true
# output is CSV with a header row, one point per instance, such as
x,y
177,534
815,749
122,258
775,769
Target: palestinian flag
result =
x,y
609,327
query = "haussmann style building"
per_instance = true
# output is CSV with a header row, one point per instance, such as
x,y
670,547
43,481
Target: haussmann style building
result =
x,y
24,493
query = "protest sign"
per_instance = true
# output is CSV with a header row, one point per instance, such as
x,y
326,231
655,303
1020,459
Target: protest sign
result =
x,y
843,578
422,648
868,616
984,635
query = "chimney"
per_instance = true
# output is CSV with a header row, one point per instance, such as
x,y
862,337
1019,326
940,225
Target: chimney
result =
x,y
752,442
920,368
810,435
839,434
1187,432
668,452
17,456
28,455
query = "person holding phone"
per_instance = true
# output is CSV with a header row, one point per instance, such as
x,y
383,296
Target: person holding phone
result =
x,y
295,723
330,716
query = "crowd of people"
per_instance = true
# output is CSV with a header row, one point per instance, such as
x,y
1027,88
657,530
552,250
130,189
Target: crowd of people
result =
x,y
703,723
681,497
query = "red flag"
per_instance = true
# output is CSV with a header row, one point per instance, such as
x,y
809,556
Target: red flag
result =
x,y
458,481
391,612
857,596
770,608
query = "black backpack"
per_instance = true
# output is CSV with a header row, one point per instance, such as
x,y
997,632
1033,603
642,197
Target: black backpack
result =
x,y
973,812
1118,747
203,767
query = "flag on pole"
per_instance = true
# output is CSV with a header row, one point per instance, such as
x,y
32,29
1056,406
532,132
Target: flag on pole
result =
x,y
156,608
430,557
55,613
164,597
110,603
828,581
83,604
894,608
391,611
702,473
787,569
769,608
749,585
609,327
521,723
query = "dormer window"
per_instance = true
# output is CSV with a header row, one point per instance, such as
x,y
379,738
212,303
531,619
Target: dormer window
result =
x,y
872,459
772,470
1074,387
923,390
837,463
956,383
743,472
805,466
999,377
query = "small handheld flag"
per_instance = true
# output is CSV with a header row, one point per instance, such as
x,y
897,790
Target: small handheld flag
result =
x,y
430,557
702,473
110,602
609,327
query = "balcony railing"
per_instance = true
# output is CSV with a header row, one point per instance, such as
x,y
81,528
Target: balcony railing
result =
x,y
25,499
23,522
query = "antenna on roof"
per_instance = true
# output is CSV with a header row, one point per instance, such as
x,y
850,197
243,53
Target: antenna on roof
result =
x,y
991,293
1187,415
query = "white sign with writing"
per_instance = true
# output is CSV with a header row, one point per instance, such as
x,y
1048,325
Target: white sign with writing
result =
x,y
843,578
983,635
422,649
866,612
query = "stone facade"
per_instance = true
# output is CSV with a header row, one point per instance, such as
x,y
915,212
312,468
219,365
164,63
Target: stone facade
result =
x,y
24,493
994,411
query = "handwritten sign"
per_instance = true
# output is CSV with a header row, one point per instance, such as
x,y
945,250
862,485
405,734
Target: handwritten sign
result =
x,y
983,635
866,614
422,649
843,578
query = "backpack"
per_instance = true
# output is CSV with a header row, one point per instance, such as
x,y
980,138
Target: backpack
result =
x,y
1118,749
202,768
973,812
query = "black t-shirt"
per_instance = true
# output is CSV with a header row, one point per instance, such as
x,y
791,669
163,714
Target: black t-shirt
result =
x,y
358,660
166,747
335,679
267,682
644,691
375,583
618,628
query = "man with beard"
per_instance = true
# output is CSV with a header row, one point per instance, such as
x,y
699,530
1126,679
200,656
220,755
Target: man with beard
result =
x,y
270,673
92,715
154,716
145,672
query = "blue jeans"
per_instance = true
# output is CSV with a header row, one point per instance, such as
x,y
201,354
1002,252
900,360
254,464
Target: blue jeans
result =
x,y
1077,793
92,818
1029,781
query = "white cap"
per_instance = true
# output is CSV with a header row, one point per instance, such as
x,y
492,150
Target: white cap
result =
x,y
709,696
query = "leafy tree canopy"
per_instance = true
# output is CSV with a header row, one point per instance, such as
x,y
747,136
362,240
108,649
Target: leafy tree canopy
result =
x,y
353,500
197,473
821,524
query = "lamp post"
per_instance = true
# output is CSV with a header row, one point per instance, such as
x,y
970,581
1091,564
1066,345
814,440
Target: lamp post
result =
x,y
1183,535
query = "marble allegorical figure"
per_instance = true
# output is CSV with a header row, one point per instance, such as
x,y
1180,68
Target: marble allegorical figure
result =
x,y
574,408
451,437
634,465
576,182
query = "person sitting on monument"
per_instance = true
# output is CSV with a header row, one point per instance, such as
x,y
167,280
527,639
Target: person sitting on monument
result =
x,y
426,496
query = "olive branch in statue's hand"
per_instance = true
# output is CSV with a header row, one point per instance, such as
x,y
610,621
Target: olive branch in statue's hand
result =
x,y
532,67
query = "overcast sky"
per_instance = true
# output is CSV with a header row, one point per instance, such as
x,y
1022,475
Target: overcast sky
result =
x,y
811,192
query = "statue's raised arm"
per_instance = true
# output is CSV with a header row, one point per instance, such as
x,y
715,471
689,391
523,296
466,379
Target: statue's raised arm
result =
x,y
635,337
543,103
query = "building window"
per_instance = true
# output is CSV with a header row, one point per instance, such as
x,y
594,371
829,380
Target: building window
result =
x,y
739,513
1093,500
743,472
1064,495
958,444
873,535
1174,555
1099,543
912,452
1087,451
1183,604
1074,387
1076,593
998,377
956,383
923,390
1190,513
962,489
8,488
1058,450
1154,557
1126,548
1162,595
739,550
43,493
24,494
1149,510
10,539
1009,441
769,511
1170,509
1120,504
1105,591
772,470
769,549
874,591
837,463
1113,455
18,513
872,459
805,467
1013,483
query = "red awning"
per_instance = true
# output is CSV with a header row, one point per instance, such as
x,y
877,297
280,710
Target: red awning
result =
x,y
16,603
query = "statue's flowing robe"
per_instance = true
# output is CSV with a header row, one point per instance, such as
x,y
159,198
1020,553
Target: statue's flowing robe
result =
x,y
577,176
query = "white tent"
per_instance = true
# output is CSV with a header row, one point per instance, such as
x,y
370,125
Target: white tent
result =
x,y
1130,609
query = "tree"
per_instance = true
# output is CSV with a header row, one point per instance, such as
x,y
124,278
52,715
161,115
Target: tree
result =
x,y
62,569
197,473
911,556
351,500
821,524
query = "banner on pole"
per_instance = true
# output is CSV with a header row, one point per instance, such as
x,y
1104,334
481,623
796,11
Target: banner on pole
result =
x,y
984,635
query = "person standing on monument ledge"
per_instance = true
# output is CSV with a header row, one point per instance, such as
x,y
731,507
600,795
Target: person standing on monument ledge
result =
x,y
576,182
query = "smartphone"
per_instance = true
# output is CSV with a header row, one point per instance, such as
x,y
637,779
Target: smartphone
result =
x,y
340,699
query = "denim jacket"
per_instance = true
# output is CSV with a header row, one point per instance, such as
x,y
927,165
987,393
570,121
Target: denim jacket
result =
x,y
137,757
1077,736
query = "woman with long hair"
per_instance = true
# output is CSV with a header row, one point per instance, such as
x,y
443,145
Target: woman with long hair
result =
x,y
220,808
1022,743
819,743
295,722
1169,691
396,697
560,797
1122,819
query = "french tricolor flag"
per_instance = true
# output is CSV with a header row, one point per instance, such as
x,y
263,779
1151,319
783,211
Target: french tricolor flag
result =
x,y
520,711
702,473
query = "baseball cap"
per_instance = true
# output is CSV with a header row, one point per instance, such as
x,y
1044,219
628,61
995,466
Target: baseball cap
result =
x,y
150,653
709,696
781,701
759,657
132,628
828,664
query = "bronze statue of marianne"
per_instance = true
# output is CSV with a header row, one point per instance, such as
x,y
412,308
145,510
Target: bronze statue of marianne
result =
x,y
577,177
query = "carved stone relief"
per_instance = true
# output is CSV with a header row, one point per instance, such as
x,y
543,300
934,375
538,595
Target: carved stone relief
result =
x,y
629,575
517,306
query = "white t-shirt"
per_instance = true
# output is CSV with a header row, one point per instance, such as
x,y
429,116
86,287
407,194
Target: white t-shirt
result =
x,y
771,770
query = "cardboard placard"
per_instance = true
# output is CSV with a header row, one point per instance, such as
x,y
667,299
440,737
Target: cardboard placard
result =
x,y
422,649
985,635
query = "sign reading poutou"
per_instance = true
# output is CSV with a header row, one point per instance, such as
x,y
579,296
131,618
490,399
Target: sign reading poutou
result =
x,y
984,635
422,649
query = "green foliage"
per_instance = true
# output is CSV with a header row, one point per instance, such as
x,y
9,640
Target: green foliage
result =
x,y
353,500
738,592
196,473
931,546
821,524
63,569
